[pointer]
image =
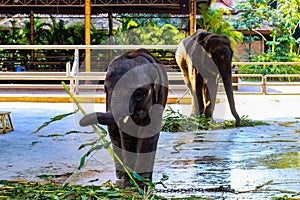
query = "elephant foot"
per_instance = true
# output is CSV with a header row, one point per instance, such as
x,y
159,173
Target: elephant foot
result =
x,y
237,123
120,183
146,175
127,183
120,174
145,184
123,183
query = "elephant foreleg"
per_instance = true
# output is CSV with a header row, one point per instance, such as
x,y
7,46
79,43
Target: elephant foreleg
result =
x,y
197,95
146,157
209,101
115,138
129,154
147,144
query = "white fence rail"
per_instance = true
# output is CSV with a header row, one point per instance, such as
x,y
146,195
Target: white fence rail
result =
x,y
73,75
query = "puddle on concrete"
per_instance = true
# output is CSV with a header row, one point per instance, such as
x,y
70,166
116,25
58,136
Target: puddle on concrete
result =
x,y
267,157
281,160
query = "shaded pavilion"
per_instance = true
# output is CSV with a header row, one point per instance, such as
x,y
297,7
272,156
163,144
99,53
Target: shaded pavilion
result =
x,y
94,7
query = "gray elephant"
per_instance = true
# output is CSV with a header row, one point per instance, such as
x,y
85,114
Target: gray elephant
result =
x,y
202,57
136,87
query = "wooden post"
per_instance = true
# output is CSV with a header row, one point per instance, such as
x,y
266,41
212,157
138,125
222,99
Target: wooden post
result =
x,y
192,17
110,23
87,35
32,56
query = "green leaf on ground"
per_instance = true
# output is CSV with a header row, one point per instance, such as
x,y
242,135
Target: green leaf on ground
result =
x,y
174,121
54,119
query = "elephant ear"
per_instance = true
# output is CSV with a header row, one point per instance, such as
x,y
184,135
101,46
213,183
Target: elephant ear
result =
x,y
201,36
216,41
219,48
160,85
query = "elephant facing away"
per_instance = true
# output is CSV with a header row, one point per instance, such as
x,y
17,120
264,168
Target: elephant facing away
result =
x,y
202,58
136,87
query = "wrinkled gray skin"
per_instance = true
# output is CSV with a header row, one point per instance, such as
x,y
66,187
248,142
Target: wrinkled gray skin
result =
x,y
134,108
201,58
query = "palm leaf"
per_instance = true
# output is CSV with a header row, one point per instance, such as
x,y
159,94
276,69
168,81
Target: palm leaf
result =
x,y
67,133
54,119
84,157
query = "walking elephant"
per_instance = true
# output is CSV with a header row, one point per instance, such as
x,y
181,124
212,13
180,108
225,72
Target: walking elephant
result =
x,y
136,87
202,57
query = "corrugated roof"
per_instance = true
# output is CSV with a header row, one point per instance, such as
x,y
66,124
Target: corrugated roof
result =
x,y
99,21
97,6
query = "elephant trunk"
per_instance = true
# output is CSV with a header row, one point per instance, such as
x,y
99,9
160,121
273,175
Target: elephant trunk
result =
x,y
227,81
97,118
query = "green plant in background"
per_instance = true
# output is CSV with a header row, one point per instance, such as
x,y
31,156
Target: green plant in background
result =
x,y
153,33
281,17
133,33
47,32
13,36
250,18
218,21
269,69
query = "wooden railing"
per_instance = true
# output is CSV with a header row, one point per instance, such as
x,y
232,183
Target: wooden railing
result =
x,y
73,76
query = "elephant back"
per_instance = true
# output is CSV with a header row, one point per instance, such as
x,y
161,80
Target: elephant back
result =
x,y
142,58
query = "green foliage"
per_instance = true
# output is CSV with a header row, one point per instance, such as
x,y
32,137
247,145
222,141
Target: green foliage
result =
x,y
57,32
245,121
35,190
218,21
269,69
285,197
67,133
54,119
272,69
144,19
135,34
174,121
52,32
153,33
14,36
282,17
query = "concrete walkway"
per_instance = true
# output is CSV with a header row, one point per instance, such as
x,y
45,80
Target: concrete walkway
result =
x,y
98,96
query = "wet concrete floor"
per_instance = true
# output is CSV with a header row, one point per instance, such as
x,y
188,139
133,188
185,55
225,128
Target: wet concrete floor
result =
x,y
257,162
